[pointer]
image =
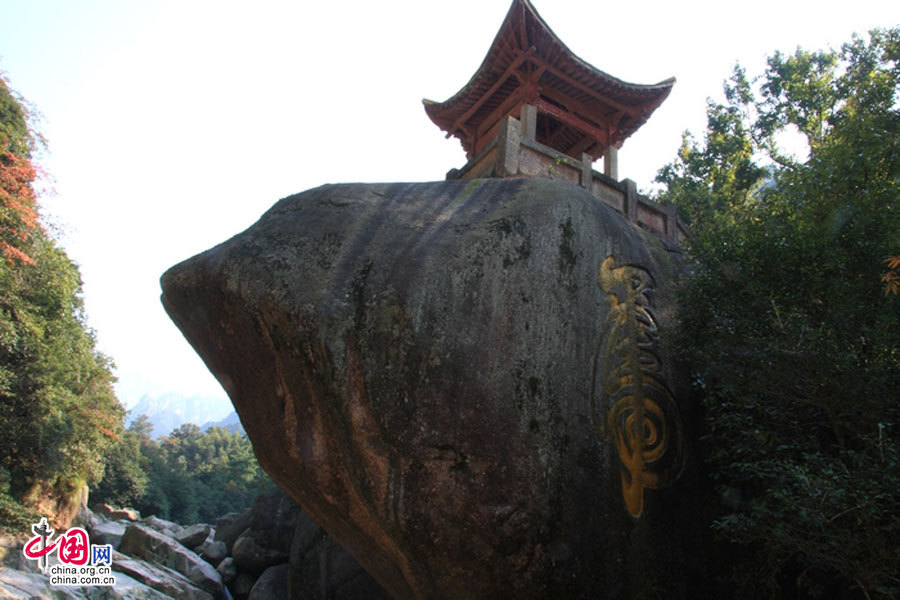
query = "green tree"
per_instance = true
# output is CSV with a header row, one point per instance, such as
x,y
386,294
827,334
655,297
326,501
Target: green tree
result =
x,y
58,412
124,480
192,475
214,472
795,345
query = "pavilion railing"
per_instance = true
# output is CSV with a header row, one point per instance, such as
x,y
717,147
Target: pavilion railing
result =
x,y
515,153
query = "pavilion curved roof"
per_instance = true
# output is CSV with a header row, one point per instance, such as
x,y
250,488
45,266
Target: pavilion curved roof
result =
x,y
583,108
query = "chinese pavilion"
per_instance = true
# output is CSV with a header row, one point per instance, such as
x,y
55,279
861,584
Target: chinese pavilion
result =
x,y
533,108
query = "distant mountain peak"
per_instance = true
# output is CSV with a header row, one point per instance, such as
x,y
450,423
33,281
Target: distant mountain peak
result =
x,y
172,410
232,423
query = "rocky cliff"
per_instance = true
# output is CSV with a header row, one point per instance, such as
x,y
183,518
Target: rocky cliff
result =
x,y
463,382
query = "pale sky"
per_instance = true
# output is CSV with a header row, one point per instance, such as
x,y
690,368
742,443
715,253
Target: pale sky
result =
x,y
173,125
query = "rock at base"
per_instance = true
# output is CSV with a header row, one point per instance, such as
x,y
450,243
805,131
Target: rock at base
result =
x,y
163,526
107,532
321,568
253,558
271,584
194,535
143,542
163,579
229,527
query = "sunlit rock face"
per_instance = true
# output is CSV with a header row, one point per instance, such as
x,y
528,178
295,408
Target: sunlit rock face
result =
x,y
463,382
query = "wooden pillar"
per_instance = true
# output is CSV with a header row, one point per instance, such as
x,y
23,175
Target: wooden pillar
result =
x,y
528,117
508,142
611,162
671,222
587,172
631,200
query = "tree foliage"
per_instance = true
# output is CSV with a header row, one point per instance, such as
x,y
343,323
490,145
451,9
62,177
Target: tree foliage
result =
x,y
125,477
188,476
58,411
784,315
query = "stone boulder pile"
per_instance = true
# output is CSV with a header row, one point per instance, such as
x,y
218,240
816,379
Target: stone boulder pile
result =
x,y
273,550
276,550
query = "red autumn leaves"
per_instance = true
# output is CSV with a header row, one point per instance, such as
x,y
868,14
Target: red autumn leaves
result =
x,y
18,212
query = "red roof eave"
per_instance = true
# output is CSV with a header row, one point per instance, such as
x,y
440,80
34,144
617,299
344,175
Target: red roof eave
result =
x,y
522,21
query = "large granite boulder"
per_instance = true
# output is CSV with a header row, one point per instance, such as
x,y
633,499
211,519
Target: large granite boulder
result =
x,y
107,532
141,541
159,577
194,535
227,569
321,568
163,526
271,584
212,551
229,527
463,382
252,557
278,532
116,514
272,521
266,541
30,585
